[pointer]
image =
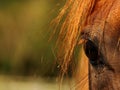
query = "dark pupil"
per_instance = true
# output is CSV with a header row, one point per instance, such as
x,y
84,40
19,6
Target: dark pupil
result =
x,y
91,51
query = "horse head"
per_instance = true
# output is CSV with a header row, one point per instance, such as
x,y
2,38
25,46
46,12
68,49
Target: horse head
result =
x,y
102,46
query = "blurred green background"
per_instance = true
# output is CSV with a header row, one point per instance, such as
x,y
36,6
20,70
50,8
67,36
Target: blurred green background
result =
x,y
24,33
26,55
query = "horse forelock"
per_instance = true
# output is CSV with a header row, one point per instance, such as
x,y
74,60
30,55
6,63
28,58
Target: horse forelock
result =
x,y
76,12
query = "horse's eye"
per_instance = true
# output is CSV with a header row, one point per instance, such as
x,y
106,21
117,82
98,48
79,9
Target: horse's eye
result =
x,y
91,51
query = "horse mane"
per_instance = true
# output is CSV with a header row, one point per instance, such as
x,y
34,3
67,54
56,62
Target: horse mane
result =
x,y
75,14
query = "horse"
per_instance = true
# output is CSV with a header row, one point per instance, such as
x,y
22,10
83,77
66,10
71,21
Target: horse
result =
x,y
96,25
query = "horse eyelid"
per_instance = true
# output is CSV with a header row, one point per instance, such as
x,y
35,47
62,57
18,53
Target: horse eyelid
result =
x,y
83,39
